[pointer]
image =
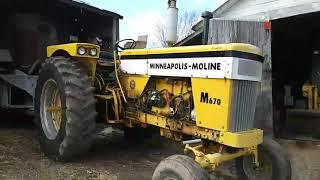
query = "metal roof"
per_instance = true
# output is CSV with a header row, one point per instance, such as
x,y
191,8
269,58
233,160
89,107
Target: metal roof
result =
x,y
216,13
83,5
261,11
195,34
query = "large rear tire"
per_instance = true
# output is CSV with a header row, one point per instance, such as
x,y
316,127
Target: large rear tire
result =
x,y
274,163
64,109
179,167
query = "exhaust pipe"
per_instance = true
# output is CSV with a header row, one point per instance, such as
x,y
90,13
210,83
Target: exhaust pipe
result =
x,y
172,21
206,15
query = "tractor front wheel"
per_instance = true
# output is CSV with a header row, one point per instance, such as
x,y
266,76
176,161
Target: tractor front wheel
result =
x,y
180,167
64,109
273,163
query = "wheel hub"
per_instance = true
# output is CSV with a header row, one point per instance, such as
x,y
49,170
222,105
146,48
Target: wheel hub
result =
x,y
50,109
264,170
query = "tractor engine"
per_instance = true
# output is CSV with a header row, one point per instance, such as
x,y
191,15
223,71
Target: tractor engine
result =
x,y
213,87
168,97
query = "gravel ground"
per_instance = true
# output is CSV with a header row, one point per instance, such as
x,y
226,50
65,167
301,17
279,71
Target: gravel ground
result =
x,y
305,159
112,157
21,158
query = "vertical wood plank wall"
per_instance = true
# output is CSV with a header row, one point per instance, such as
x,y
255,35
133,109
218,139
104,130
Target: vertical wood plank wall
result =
x,y
231,31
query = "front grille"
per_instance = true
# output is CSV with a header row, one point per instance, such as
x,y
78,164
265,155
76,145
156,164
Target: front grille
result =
x,y
243,104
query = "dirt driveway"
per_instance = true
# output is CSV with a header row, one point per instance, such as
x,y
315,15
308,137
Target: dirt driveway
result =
x,y
112,157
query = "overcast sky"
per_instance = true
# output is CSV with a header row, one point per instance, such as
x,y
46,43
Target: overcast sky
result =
x,y
141,16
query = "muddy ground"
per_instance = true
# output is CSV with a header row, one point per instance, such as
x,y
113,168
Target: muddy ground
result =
x,y
112,157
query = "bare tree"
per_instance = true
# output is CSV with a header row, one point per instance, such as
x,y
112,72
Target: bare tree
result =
x,y
185,22
160,33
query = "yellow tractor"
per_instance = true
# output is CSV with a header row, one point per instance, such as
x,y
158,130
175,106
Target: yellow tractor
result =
x,y
203,96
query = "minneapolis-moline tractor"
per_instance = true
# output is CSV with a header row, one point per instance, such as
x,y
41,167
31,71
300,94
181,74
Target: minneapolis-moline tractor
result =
x,y
204,96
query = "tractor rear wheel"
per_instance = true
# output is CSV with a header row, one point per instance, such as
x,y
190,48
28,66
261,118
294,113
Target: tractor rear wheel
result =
x,y
64,109
273,163
179,167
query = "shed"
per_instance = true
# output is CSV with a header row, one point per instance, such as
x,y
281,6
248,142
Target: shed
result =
x,y
288,32
29,26
48,22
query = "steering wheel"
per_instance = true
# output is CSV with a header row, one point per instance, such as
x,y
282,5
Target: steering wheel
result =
x,y
132,46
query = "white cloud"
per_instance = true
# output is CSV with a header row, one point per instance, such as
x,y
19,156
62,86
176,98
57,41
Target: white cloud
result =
x,y
142,23
220,2
201,1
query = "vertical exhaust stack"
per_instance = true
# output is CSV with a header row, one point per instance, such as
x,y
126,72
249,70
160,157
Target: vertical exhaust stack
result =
x,y
206,15
172,21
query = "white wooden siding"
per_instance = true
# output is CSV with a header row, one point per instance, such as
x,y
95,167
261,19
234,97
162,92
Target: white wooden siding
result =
x,y
267,9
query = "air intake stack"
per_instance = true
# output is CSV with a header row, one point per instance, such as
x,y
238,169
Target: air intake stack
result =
x,y
172,21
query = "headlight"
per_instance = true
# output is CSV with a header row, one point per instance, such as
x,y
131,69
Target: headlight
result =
x,y
81,50
93,52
